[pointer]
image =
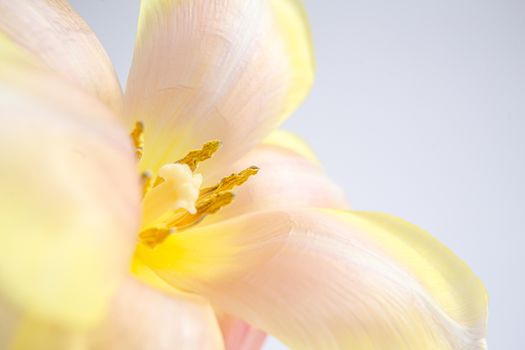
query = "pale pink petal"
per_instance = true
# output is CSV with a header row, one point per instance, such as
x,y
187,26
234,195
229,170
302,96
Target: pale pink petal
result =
x,y
230,70
56,34
289,176
239,335
142,318
330,280
69,204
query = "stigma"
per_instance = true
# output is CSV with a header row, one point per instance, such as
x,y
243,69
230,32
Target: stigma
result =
x,y
178,189
173,198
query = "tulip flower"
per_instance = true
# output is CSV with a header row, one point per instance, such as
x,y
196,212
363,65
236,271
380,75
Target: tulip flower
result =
x,y
177,216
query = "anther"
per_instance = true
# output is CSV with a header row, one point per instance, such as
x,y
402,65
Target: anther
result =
x,y
207,207
137,136
231,181
153,236
147,179
193,158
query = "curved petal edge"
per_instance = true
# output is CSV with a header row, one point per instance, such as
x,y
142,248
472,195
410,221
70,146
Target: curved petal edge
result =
x,y
325,279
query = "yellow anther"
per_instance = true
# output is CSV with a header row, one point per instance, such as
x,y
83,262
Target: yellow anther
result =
x,y
153,236
158,181
214,203
229,182
137,136
156,235
210,206
147,181
193,158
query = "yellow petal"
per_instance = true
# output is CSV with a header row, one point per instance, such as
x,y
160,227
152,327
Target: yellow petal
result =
x,y
330,280
207,70
69,201
288,178
60,38
143,318
34,334
21,331
291,19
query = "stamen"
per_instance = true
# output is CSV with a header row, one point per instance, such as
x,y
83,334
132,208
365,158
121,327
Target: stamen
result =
x,y
147,179
193,158
229,182
137,136
153,236
156,235
204,208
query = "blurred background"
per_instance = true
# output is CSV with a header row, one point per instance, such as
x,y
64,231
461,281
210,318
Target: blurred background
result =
x,y
418,110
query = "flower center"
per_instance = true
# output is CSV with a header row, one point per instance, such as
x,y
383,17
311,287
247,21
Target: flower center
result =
x,y
173,199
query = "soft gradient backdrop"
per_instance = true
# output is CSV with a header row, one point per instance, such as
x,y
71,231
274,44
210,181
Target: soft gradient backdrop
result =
x,y
418,110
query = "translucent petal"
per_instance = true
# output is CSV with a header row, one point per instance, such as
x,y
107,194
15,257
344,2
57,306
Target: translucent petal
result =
x,y
32,333
69,201
330,280
239,335
58,36
143,318
216,69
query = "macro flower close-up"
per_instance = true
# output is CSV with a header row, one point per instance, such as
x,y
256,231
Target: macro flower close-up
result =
x,y
176,214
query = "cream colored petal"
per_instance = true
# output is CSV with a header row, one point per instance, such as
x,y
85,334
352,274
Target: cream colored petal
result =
x,y
216,69
330,280
288,177
139,318
239,335
142,318
69,202
20,331
58,36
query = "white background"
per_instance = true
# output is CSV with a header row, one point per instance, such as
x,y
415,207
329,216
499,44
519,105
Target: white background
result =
x,y
418,110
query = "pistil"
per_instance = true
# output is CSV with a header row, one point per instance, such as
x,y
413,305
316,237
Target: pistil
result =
x,y
179,190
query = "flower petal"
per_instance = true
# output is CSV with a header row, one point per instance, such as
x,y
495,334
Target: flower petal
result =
x,y
143,318
57,35
330,280
31,334
21,331
238,335
69,201
216,69
147,276
291,142
289,176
